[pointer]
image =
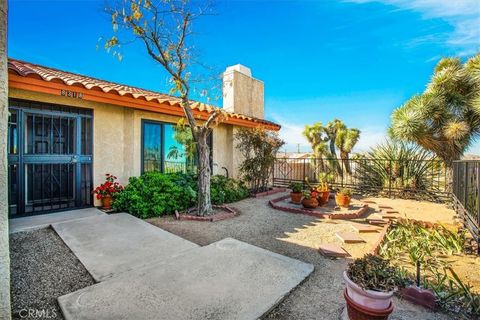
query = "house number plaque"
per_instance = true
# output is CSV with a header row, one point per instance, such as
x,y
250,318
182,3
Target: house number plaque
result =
x,y
71,94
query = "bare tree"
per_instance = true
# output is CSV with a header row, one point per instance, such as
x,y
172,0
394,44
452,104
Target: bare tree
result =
x,y
165,27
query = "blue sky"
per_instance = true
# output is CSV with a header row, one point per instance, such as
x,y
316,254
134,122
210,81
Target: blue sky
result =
x,y
354,60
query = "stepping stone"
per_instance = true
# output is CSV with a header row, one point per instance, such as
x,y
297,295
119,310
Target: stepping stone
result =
x,y
378,222
349,237
374,216
333,250
389,211
109,245
363,228
391,216
228,279
384,207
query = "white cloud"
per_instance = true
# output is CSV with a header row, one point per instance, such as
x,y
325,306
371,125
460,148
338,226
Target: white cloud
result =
x,y
291,133
462,15
370,137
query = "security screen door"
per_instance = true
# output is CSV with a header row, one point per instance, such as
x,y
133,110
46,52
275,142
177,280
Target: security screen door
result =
x,y
50,158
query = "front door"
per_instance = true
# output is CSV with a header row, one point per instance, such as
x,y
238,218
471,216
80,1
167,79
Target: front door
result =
x,y
50,158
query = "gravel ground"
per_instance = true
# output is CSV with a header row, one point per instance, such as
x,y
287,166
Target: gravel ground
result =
x,y
42,269
320,296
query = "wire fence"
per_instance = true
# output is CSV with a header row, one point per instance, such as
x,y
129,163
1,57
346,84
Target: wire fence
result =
x,y
417,179
466,194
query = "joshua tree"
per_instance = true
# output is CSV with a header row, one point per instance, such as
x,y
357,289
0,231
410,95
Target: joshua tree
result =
x,y
331,131
345,141
315,136
165,28
445,118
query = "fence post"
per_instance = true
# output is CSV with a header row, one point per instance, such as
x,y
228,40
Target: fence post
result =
x,y
390,178
304,170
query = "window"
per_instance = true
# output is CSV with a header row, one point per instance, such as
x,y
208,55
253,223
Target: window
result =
x,y
167,148
152,147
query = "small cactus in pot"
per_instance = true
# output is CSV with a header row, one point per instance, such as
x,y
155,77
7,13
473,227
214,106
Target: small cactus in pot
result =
x,y
343,197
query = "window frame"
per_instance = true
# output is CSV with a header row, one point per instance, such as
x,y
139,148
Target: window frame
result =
x,y
162,144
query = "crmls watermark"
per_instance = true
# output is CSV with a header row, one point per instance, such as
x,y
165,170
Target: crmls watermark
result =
x,y
37,313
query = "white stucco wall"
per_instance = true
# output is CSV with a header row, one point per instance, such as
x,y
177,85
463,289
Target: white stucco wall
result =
x,y
117,137
243,93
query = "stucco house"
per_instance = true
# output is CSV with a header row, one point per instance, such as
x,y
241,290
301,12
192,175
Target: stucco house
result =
x,y
66,130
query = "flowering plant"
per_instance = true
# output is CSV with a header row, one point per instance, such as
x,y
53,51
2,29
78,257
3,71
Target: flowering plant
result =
x,y
108,188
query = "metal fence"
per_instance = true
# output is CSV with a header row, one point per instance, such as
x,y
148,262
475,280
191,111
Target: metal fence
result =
x,y
418,179
466,194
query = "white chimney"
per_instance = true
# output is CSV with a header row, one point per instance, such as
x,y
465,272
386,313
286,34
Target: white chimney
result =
x,y
242,93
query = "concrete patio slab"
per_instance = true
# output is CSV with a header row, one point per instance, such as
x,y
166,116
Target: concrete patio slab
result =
x,y
109,245
45,220
228,279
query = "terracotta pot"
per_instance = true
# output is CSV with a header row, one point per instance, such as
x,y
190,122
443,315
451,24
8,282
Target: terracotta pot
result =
x,y
374,300
311,203
296,197
358,312
342,201
323,197
107,202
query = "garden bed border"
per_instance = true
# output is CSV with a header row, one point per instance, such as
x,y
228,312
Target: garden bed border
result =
x,y
309,212
227,214
268,192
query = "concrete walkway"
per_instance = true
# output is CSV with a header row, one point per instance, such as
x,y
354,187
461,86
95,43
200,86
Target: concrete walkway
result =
x,y
109,245
228,279
145,272
45,220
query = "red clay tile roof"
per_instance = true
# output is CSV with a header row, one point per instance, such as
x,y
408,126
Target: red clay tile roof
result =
x,y
27,69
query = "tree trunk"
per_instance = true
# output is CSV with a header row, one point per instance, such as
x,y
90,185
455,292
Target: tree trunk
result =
x,y
204,174
346,161
5,310
334,156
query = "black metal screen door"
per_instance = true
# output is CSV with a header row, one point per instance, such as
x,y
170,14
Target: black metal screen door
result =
x,y
50,159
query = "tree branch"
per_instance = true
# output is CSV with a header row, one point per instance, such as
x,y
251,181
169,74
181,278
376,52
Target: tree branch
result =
x,y
211,119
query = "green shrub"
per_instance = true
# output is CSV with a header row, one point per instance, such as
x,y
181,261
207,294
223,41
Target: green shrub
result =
x,y
409,170
296,187
154,194
226,190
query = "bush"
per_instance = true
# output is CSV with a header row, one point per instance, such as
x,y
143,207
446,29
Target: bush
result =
x,y
407,169
258,148
154,194
374,273
226,190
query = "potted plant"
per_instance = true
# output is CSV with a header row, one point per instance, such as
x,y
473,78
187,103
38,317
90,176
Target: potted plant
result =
x,y
321,192
107,190
296,194
343,197
309,201
370,284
